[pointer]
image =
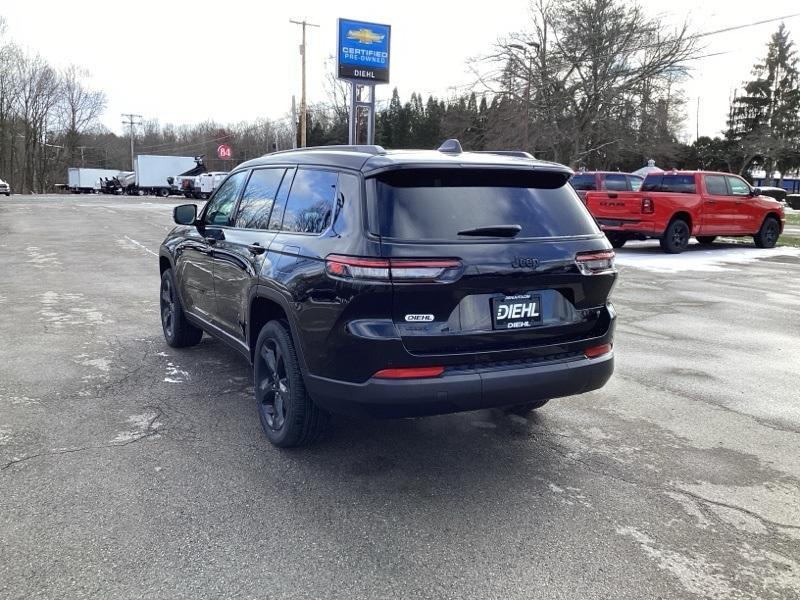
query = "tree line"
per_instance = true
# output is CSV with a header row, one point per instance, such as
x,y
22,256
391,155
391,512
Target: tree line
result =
x,y
589,83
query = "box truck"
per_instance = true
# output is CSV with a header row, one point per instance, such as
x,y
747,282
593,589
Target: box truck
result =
x,y
87,181
151,173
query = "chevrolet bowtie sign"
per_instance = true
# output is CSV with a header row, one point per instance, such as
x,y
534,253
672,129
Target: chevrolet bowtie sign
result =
x,y
363,51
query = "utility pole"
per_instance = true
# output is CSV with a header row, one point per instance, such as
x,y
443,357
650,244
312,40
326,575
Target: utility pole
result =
x,y
294,123
131,122
303,105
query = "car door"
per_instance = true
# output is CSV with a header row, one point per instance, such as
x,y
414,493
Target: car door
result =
x,y
239,258
746,213
719,207
194,257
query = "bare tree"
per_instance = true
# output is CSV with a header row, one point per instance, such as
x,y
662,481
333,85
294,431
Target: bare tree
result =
x,y
78,109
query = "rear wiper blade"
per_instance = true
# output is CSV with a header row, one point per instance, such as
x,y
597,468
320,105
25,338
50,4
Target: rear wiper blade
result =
x,y
493,231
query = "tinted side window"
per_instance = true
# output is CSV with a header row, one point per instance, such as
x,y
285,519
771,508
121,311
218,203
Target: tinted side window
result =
x,y
220,206
715,185
738,187
583,182
681,184
255,207
310,203
636,182
615,183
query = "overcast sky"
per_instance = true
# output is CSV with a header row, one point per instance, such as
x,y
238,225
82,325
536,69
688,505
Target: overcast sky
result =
x,y
184,62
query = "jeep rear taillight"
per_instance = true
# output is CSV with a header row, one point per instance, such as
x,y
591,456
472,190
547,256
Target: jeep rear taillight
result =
x,y
595,263
393,269
647,206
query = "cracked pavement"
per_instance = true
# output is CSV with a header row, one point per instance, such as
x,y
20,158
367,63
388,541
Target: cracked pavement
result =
x,y
131,469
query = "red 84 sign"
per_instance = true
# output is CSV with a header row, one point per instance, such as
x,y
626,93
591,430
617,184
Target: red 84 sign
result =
x,y
224,152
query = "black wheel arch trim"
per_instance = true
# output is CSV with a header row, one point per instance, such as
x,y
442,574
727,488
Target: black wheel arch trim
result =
x,y
273,295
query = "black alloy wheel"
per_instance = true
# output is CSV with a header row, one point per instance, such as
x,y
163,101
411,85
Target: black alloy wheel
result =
x,y
769,233
273,391
168,307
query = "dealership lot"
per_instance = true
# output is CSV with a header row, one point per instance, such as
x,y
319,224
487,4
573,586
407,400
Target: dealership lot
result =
x,y
131,469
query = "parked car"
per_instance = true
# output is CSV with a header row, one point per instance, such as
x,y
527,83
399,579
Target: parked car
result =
x,y
589,181
774,192
675,205
5,188
364,281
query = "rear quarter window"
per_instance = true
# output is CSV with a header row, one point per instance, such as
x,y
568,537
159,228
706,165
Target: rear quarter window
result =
x,y
436,204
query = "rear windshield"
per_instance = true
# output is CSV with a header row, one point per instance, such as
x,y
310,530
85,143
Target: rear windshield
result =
x,y
680,184
583,182
437,204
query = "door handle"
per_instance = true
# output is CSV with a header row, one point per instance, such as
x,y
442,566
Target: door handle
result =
x,y
711,201
256,248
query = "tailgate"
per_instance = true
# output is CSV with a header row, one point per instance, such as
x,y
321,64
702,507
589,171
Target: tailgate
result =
x,y
623,206
502,247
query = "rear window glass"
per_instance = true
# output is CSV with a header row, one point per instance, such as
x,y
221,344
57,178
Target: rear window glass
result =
x,y
437,204
583,182
680,184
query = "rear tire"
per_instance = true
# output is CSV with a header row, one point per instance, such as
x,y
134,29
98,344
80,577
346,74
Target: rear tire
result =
x,y
178,331
289,416
523,410
676,237
163,192
617,240
706,239
769,233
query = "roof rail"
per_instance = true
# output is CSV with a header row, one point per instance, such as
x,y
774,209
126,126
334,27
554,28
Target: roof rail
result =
x,y
373,149
517,153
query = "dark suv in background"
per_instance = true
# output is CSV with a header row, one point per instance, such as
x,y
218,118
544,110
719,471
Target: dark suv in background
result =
x,y
394,283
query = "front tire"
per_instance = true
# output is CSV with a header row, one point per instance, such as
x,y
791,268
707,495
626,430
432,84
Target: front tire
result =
x,y
178,331
706,239
676,237
769,233
288,415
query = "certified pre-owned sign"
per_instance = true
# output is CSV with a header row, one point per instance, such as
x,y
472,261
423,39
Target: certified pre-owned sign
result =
x,y
363,51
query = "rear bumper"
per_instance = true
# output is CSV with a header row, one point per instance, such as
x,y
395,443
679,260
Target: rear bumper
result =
x,y
461,389
630,226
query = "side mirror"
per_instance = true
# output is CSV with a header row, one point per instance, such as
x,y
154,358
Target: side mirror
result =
x,y
756,191
185,214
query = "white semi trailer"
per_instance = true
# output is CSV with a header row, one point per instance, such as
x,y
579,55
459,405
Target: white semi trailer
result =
x,y
151,173
87,181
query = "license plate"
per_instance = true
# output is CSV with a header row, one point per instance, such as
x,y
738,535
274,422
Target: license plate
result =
x,y
516,312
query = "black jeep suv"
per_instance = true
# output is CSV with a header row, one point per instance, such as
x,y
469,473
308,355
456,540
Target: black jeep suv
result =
x,y
394,283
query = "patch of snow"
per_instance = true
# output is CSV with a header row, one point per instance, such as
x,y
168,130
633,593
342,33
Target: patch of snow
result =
x,y
648,256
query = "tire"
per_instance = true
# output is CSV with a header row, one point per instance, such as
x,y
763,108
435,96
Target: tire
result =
x,y
288,414
523,410
706,239
676,237
163,192
617,240
769,233
178,331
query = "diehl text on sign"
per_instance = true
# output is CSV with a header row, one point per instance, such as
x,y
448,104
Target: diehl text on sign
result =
x,y
363,51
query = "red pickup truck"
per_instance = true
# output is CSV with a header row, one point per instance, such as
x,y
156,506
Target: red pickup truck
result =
x,y
675,205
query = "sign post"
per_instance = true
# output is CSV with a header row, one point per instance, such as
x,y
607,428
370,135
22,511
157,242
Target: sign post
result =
x,y
363,61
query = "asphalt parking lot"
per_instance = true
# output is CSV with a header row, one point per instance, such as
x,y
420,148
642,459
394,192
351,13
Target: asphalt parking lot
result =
x,y
129,469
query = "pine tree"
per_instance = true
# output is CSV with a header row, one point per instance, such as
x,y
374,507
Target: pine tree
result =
x,y
765,119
